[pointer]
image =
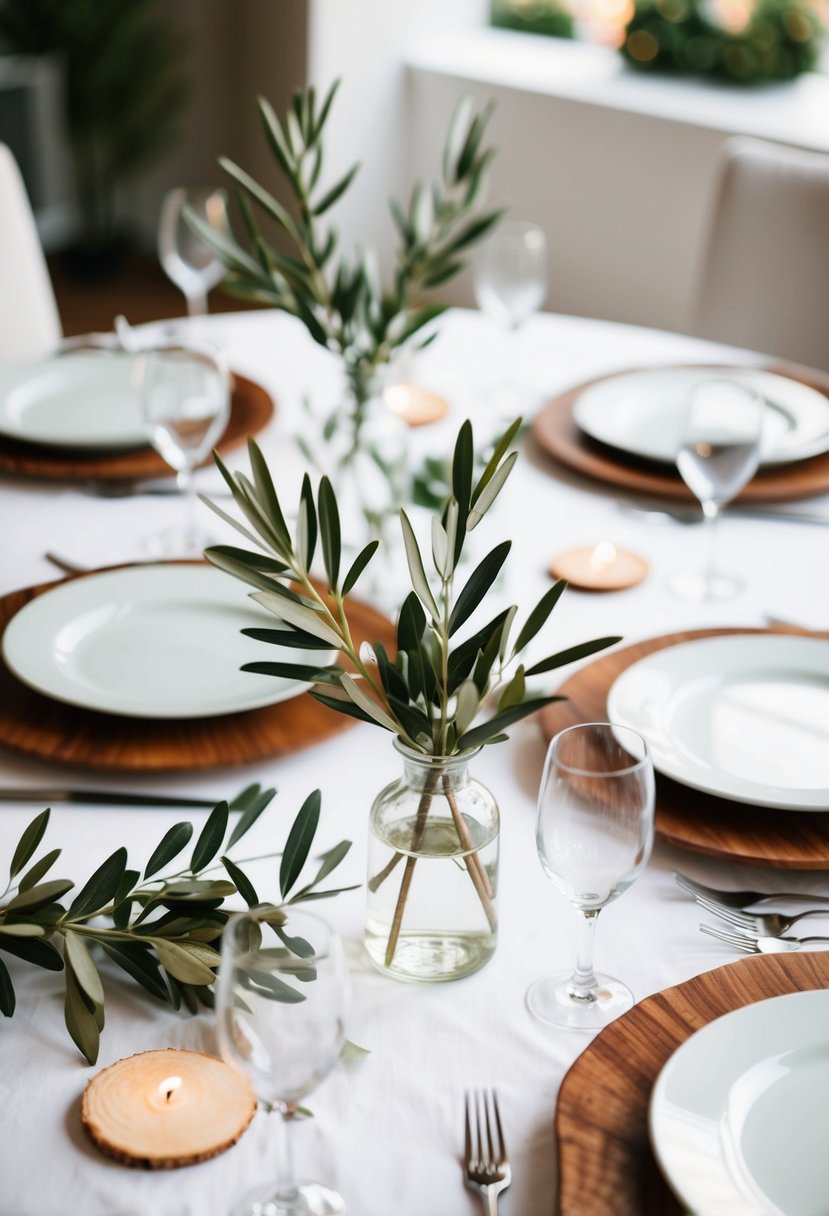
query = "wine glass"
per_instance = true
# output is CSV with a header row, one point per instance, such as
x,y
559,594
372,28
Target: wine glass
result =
x,y
186,259
511,273
281,1005
718,455
510,285
185,403
594,835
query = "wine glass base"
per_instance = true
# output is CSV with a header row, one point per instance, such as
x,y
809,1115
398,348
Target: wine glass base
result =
x,y
706,586
550,999
311,1200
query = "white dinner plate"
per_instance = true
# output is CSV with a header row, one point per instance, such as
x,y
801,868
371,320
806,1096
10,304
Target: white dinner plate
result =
x,y
641,412
150,642
744,716
739,1115
86,400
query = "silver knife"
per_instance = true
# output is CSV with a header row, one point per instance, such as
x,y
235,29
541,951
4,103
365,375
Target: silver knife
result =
x,y
51,794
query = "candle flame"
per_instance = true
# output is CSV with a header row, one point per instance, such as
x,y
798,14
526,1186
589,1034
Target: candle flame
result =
x,y
399,397
169,1086
603,555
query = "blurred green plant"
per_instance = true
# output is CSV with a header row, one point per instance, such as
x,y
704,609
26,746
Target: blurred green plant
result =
x,y
124,89
780,40
533,17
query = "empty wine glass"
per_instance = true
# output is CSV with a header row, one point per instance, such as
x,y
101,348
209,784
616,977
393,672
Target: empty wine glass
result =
x,y
281,1005
718,455
185,402
594,835
511,273
510,285
186,259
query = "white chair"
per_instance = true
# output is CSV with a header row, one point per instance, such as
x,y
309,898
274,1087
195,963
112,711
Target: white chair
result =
x,y
29,321
764,280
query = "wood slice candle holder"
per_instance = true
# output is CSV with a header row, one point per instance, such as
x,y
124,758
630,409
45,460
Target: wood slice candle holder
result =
x,y
160,1110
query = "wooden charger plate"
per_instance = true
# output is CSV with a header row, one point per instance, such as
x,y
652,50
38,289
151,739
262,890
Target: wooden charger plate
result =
x,y
605,1163
251,409
556,432
66,734
689,819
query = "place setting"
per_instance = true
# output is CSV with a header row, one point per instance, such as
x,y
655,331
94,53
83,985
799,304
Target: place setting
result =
x,y
711,1091
77,417
625,430
97,409
137,668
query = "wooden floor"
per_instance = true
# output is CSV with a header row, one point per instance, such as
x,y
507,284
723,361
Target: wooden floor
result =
x,y
139,289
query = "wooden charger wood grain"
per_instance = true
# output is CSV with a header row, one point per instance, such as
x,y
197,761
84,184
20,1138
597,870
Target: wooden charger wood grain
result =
x,y
251,410
49,730
160,1110
556,433
789,840
605,1163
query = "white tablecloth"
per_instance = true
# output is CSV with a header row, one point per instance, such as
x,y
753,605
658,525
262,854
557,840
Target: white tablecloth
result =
x,y
387,1130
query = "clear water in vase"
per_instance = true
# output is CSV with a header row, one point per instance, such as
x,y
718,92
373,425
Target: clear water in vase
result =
x,y
447,928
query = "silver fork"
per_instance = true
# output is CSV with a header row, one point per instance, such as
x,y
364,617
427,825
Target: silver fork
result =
x,y
742,899
749,943
486,1165
771,924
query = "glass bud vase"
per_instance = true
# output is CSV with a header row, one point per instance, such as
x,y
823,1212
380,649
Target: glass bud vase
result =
x,y
370,470
432,871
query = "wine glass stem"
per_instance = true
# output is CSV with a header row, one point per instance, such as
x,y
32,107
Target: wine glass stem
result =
x,y
711,511
187,485
197,304
287,1191
583,985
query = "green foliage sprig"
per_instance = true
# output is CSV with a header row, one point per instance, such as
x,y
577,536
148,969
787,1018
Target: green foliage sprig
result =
x,y
433,689
346,309
160,930
780,40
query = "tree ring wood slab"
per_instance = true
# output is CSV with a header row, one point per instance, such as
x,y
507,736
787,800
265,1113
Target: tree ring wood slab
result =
x,y
159,1110
251,409
789,840
555,431
605,1163
49,730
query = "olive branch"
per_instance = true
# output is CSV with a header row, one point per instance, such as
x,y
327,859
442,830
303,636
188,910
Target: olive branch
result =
x,y
438,695
160,930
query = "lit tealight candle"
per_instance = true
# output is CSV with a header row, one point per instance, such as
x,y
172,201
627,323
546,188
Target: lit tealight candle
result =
x,y
600,567
416,406
169,1092
162,1109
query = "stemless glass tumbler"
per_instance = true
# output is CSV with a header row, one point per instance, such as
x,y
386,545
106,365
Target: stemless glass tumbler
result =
x,y
281,1007
594,835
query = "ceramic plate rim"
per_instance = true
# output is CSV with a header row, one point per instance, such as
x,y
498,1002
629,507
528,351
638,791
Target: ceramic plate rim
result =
x,y
679,768
14,376
594,428
278,690
698,1041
